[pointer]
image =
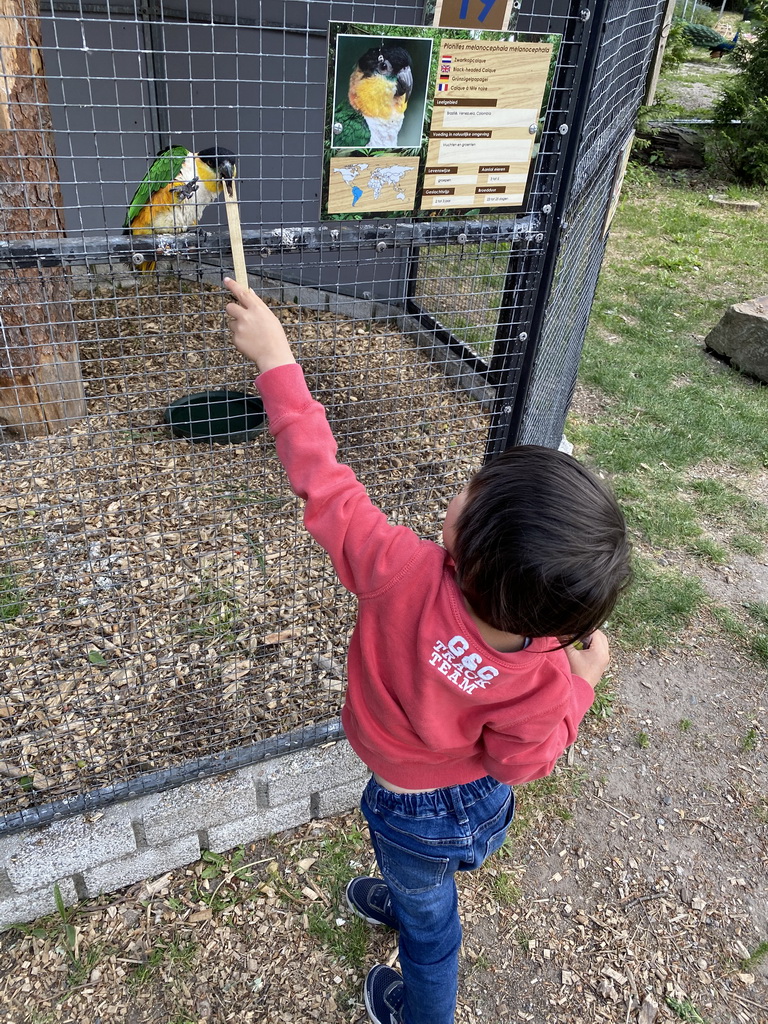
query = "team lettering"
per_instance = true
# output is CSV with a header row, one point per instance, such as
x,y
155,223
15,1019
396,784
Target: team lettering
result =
x,y
463,667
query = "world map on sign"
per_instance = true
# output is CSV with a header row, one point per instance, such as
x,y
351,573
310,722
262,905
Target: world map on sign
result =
x,y
377,184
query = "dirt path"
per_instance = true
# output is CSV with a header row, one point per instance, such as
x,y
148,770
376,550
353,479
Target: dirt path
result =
x,y
658,888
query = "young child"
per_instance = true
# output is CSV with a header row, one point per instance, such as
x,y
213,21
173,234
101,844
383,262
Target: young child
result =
x,y
463,677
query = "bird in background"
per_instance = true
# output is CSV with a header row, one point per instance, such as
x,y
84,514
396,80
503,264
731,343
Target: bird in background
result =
x,y
724,47
380,86
175,191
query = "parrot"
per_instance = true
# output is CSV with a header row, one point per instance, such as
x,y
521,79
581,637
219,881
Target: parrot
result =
x,y
379,89
176,190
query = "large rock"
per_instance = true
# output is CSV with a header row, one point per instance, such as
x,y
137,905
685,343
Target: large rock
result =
x,y
742,336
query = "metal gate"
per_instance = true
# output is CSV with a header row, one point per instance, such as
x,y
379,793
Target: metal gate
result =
x,y
163,614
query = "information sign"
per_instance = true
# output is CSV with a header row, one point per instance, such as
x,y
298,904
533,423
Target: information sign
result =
x,y
433,120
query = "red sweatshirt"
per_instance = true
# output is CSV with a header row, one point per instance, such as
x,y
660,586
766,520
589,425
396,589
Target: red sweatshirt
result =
x,y
429,703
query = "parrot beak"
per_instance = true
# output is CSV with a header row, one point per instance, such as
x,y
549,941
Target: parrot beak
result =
x,y
404,83
226,170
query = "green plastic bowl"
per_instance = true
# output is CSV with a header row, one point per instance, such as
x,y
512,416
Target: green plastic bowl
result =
x,y
222,417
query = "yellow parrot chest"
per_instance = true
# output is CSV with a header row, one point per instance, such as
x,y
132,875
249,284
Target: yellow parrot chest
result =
x,y
375,96
171,209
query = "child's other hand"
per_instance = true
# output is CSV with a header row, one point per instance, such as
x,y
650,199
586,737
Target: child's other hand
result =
x,y
256,331
591,662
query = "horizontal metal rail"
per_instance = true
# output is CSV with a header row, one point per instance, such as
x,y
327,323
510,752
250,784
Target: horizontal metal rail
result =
x,y
345,235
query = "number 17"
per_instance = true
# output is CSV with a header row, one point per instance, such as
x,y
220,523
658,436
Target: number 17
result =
x,y
487,5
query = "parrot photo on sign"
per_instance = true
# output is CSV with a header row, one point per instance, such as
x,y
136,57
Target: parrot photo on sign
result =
x,y
372,113
175,191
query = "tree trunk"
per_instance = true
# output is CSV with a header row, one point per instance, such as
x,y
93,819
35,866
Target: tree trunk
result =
x,y
41,386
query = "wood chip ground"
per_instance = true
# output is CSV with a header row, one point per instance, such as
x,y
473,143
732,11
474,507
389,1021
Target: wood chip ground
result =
x,y
174,606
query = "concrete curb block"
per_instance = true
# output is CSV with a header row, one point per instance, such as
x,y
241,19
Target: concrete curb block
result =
x,y
90,854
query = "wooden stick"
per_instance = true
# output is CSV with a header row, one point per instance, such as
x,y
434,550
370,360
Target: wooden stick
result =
x,y
235,232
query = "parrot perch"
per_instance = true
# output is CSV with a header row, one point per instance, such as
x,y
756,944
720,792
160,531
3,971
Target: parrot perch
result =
x,y
175,191
380,86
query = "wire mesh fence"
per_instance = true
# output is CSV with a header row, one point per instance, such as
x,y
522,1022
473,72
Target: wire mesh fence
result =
x,y
620,68
163,612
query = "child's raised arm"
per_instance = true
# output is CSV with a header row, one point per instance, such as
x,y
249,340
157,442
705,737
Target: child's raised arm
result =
x,y
256,331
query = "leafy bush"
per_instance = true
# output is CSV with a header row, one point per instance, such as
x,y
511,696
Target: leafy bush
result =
x,y
743,146
676,49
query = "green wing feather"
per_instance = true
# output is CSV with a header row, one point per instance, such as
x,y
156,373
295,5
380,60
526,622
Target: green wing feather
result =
x,y
161,173
355,133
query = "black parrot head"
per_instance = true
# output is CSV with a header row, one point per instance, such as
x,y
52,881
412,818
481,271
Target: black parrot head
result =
x,y
391,62
220,160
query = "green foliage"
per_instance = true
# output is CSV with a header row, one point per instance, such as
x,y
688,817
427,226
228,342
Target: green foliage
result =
x,y
676,48
347,943
505,889
749,740
754,641
602,706
741,113
175,952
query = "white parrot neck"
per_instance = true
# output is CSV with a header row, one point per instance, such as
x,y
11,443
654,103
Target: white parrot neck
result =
x,y
186,212
384,132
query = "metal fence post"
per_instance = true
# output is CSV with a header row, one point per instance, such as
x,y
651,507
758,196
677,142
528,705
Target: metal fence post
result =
x,y
508,411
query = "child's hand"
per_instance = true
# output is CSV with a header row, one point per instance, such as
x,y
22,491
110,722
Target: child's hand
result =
x,y
256,331
591,662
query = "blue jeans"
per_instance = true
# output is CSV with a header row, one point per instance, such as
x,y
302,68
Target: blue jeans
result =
x,y
420,841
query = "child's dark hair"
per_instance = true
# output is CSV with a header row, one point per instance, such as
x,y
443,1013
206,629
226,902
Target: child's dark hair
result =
x,y
541,545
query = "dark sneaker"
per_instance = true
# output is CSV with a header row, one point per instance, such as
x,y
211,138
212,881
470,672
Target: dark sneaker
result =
x,y
384,995
369,899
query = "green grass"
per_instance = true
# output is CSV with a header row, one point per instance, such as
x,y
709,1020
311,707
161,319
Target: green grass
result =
x,y
758,610
505,888
551,796
749,740
669,419
758,956
12,601
457,283
602,706
214,615
175,953
657,607
754,642
348,942
686,1011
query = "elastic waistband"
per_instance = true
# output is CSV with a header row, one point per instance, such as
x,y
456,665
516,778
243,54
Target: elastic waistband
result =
x,y
432,801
